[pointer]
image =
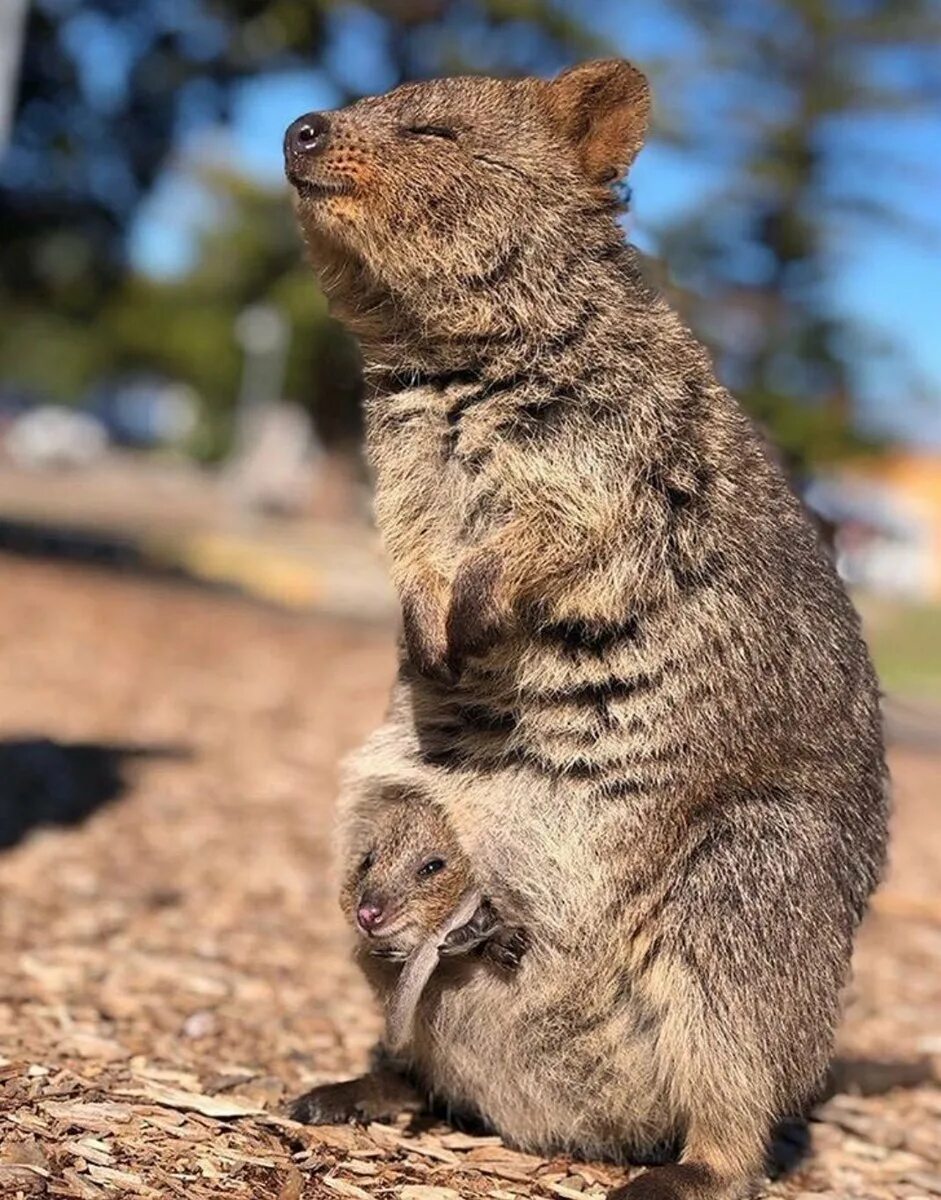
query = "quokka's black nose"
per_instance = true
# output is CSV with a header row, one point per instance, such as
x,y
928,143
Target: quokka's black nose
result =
x,y
306,135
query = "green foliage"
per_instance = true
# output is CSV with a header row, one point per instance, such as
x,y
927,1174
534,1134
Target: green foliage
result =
x,y
906,647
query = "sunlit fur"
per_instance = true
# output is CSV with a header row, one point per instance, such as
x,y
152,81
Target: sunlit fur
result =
x,y
632,678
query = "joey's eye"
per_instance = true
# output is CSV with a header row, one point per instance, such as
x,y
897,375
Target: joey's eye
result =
x,y
367,862
438,131
431,867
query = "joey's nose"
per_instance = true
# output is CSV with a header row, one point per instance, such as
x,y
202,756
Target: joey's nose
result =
x,y
370,916
306,135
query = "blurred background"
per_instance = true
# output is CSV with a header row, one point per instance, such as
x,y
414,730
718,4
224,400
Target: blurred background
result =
x,y
174,394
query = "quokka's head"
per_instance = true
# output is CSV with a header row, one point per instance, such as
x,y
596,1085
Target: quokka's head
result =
x,y
406,874
432,201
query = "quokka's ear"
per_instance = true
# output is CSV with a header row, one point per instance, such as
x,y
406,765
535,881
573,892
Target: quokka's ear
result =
x,y
602,109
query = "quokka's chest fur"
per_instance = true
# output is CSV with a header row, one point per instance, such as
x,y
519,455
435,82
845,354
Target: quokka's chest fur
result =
x,y
645,606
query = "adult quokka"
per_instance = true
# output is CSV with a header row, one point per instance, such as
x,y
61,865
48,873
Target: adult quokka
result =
x,y
629,673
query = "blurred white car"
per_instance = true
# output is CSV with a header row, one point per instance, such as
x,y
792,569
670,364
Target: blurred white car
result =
x,y
49,436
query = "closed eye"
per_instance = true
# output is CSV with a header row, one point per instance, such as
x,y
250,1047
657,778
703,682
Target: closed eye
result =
x,y
432,867
438,131
502,166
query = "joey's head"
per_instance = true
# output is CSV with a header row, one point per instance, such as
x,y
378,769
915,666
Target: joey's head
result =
x,y
407,874
445,210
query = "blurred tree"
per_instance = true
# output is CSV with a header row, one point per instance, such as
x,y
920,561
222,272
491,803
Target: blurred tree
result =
x,y
783,99
777,94
182,327
107,87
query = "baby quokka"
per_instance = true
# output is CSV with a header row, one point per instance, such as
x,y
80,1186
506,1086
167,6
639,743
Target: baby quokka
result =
x,y
413,900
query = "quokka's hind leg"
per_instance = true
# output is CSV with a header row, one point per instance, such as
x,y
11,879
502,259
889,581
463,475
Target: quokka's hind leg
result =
x,y
721,1161
745,973
714,1166
677,1181
379,1096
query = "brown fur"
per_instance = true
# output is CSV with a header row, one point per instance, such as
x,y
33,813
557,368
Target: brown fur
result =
x,y
631,679
405,835
396,841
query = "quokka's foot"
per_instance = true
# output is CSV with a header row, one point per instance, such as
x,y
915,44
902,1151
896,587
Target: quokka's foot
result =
x,y
501,944
676,1181
389,953
377,1097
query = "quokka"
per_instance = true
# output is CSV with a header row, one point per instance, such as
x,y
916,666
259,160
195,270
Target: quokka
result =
x,y
629,674
411,895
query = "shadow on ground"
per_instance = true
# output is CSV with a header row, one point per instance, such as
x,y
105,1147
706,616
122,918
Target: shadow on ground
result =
x,y
44,782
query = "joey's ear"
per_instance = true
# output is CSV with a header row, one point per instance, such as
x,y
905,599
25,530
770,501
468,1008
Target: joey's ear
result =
x,y
602,109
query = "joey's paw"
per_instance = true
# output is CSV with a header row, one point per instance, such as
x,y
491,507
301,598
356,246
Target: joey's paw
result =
x,y
389,953
479,929
507,948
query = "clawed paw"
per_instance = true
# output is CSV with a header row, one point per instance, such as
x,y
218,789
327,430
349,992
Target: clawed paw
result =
x,y
389,953
508,948
479,929
379,1096
501,944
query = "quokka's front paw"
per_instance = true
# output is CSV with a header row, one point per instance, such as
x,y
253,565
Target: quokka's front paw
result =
x,y
332,1104
423,624
507,947
475,615
502,944
389,953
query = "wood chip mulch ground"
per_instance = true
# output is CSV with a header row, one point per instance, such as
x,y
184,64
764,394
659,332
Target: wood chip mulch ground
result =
x,y
173,967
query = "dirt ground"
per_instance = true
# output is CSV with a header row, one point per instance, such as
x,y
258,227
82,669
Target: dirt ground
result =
x,y
173,966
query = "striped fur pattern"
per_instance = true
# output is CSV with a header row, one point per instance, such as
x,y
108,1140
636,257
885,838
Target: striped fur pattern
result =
x,y
629,674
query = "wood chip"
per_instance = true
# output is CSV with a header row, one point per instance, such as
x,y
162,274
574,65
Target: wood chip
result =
x,y
358,1167
566,1192
498,1170
99,1117
429,1150
221,1107
18,1180
91,1149
80,1187
467,1141
506,1157
293,1186
342,1188
112,1177
421,1191
929,1181
27,1152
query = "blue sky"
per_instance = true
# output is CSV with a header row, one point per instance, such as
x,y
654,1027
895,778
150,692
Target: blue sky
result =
x,y
883,276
